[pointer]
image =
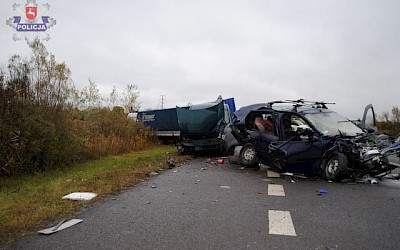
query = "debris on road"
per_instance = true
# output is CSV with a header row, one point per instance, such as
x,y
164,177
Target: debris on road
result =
x,y
154,173
60,226
226,187
368,180
153,186
322,191
220,161
170,162
80,196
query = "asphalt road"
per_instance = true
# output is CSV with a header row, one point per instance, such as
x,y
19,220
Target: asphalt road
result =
x,y
210,206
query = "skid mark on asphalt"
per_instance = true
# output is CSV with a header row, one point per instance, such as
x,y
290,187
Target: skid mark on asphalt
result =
x,y
280,223
275,190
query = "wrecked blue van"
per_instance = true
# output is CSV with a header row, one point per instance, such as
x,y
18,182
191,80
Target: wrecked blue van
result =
x,y
308,138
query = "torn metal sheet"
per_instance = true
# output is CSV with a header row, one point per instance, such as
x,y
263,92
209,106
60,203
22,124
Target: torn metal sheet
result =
x,y
80,196
60,226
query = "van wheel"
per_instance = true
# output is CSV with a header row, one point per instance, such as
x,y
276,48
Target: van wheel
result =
x,y
333,166
248,155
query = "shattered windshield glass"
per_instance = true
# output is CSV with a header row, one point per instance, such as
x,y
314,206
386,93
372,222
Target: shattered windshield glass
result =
x,y
332,123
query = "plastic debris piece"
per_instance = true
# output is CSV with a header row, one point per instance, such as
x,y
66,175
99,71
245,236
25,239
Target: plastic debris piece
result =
x,y
292,181
323,191
220,161
288,174
226,187
60,226
242,168
153,186
80,196
153,173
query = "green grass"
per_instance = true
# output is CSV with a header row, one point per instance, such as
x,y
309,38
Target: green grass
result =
x,y
28,203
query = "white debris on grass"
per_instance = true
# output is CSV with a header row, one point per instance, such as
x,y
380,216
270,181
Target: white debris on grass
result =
x,y
80,196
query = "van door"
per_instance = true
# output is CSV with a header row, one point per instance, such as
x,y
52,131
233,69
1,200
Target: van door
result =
x,y
368,120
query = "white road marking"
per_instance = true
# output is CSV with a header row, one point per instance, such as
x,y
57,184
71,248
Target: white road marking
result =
x,y
280,223
272,174
275,190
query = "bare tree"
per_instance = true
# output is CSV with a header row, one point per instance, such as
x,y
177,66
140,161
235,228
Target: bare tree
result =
x,y
114,98
130,98
90,96
396,114
385,116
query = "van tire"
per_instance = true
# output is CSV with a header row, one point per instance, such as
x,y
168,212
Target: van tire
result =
x,y
248,156
333,166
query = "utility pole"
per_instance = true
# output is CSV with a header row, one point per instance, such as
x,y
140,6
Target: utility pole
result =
x,y
162,101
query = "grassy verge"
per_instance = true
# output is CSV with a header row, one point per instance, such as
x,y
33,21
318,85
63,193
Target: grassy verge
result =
x,y
29,203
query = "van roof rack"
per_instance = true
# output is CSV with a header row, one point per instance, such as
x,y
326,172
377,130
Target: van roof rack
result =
x,y
302,102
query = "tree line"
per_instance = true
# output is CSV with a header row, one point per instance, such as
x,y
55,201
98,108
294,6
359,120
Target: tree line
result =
x,y
47,123
389,122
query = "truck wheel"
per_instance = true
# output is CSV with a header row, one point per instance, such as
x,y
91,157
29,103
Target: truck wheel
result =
x,y
332,167
248,155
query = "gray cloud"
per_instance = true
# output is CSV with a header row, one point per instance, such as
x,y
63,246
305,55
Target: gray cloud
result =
x,y
192,51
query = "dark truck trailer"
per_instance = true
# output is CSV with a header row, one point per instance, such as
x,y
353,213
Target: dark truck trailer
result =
x,y
164,123
202,125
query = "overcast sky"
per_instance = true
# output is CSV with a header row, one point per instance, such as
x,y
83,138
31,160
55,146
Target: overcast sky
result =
x,y
343,51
